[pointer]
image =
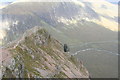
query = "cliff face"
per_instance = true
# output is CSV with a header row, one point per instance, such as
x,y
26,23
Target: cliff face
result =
x,y
38,55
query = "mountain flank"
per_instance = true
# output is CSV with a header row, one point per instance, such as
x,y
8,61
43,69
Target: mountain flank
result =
x,y
38,55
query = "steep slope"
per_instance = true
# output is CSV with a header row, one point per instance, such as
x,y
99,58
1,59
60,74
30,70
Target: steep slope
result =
x,y
61,16
39,55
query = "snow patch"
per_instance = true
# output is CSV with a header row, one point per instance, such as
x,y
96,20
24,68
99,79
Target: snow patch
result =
x,y
66,21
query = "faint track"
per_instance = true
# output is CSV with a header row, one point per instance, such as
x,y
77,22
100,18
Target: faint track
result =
x,y
89,49
88,43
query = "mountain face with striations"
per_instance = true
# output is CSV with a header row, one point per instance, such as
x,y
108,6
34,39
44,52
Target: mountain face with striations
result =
x,y
38,55
65,20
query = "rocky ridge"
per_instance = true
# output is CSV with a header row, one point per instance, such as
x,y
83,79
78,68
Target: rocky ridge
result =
x,y
38,55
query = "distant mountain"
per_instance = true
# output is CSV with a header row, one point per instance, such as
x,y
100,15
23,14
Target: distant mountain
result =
x,y
4,4
68,21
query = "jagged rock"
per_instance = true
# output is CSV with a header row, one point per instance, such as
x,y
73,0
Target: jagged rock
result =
x,y
39,55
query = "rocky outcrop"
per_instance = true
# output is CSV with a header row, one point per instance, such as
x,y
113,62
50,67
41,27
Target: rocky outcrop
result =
x,y
38,55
